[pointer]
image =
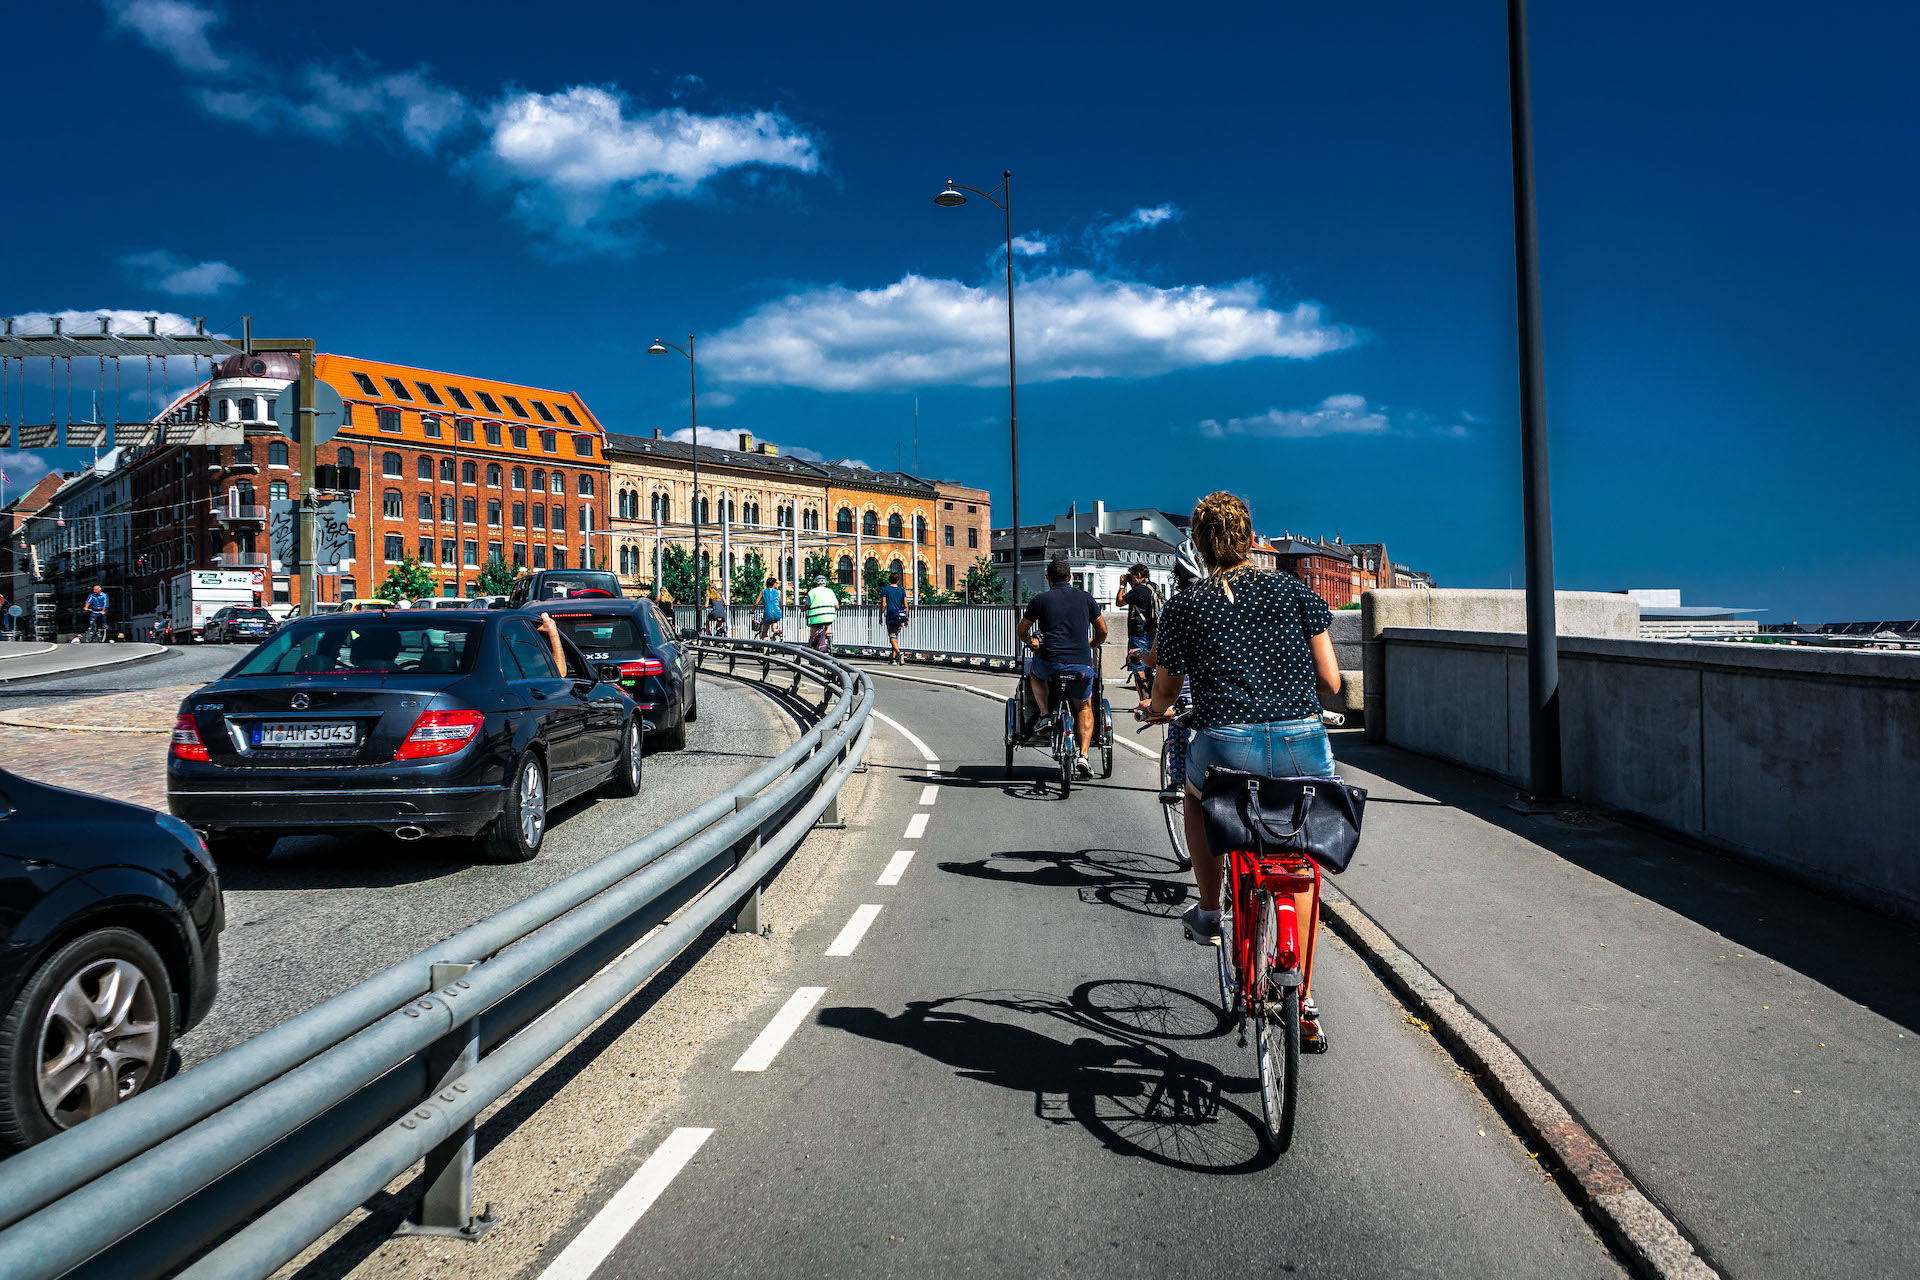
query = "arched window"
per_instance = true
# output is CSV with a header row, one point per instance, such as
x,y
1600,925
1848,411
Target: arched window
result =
x,y
446,470
344,457
469,473
662,507
446,508
706,511
226,411
843,523
844,571
390,504
425,506
871,567
519,477
493,475
893,525
870,524
246,408
895,568
920,530
276,453
559,484
539,484
390,464
585,489
424,467
813,521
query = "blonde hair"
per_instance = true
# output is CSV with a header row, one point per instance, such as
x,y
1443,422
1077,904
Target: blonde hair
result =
x,y
1222,529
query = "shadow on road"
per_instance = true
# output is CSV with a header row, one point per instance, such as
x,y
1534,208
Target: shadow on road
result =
x,y
1871,959
1115,877
1114,1077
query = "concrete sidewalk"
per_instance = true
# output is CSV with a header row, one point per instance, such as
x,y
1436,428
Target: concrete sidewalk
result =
x,y
23,648
1744,1048
62,658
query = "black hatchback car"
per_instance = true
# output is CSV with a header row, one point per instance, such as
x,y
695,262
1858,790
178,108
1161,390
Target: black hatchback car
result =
x,y
110,920
416,723
238,624
657,667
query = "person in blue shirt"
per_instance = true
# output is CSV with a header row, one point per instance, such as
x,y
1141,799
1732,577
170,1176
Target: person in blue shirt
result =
x,y
770,612
893,599
97,612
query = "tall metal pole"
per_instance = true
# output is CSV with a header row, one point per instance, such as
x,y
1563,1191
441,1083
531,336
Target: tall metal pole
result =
x,y
1013,401
1543,660
693,412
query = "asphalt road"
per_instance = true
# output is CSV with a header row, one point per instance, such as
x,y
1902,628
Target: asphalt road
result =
x,y
1019,1068
184,664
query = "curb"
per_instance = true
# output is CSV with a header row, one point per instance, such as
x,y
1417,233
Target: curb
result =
x,y
91,666
1650,1241
44,647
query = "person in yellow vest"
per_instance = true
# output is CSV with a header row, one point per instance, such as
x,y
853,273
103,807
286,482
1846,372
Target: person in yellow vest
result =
x,y
822,608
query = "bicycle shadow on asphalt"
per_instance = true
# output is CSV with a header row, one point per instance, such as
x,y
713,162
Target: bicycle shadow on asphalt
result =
x,y
1119,878
1117,1077
1029,781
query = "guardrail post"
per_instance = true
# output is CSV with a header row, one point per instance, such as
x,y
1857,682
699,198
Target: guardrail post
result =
x,y
831,819
732,654
747,919
447,1207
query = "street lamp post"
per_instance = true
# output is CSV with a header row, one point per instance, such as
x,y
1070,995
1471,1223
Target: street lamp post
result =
x,y
951,197
660,348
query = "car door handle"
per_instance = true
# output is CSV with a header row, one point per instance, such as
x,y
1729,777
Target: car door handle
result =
x,y
541,694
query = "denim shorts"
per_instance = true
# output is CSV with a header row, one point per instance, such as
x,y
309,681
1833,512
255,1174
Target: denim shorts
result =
x,y
1280,749
1078,679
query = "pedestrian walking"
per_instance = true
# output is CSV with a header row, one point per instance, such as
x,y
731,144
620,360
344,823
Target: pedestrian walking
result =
x,y
822,608
1143,616
893,599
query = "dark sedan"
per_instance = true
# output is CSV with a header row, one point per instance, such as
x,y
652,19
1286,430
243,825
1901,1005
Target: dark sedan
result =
x,y
657,667
415,723
238,624
110,919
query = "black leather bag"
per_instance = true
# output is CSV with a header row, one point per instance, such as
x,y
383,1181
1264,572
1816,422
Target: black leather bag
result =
x,y
1319,817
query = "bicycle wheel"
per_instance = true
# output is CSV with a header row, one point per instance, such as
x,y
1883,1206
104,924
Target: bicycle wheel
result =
x,y
1229,983
1063,750
1276,1034
1175,817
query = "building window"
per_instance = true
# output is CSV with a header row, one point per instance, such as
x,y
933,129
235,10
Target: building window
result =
x,y
662,508
470,554
585,488
549,442
582,445
519,477
446,470
398,388
546,414
946,506
493,475
430,426
844,571
496,551
277,453
519,554
464,427
920,530
344,457
283,590
560,557
426,551
557,482
446,508
893,525
388,420
870,524
706,511
519,515
467,508
518,412
539,556
490,405
949,570
446,551
423,467
277,491
947,534
460,398
539,516
469,473
896,569
586,519
493,513
843,521
396,548
538,481
493,428
243,452
973,539
390,504
519,437
433,397
365,383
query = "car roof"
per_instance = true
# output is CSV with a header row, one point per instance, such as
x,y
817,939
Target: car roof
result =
x,y
586,604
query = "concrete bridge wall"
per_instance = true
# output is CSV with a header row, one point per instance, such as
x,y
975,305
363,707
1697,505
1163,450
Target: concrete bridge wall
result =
x,y
1805,759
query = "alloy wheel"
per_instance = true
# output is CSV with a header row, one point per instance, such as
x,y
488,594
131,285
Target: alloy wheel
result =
x,y
98,1041
533,803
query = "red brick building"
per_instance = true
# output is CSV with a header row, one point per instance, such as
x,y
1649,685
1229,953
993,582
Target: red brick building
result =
x,y
1325,567
453,469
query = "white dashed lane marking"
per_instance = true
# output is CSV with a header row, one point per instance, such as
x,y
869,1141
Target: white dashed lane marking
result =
x,y
916,826
908,734
760,1054
609,1227
856,929
929,793
896,867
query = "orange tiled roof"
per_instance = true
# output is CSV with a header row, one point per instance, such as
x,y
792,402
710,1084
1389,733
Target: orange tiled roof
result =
x,y
344,374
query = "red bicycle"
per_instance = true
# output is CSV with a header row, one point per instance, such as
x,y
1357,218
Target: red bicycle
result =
x,y
1266,965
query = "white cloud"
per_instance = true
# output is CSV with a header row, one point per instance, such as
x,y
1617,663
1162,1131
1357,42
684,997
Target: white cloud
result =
x,y
1140,220
583,164
1031,246
158,269
89,321
407,102
24,467
711,437
1339,415
173,27
1072,324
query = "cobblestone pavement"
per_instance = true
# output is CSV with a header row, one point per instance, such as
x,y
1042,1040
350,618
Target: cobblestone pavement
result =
x,y
147,711
118,766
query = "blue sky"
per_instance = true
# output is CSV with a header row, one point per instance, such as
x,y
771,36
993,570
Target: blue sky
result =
x,y
1271,253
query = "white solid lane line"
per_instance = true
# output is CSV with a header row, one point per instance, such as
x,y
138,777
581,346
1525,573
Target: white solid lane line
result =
x,y
909,735
590,1248
1128,742
856,929
916,826
929,793
896,867
759,1055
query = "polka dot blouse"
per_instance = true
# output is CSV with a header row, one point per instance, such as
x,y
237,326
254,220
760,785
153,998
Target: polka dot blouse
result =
x,y
1248,659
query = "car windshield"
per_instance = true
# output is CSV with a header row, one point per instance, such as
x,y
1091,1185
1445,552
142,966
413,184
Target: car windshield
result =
x,y
559,586
366,646
599,632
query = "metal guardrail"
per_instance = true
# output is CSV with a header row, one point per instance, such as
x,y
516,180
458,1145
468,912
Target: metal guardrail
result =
x,y
394,1070
957,632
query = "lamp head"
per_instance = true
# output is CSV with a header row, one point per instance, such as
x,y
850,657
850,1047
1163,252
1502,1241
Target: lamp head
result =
x,y
950,198
658,348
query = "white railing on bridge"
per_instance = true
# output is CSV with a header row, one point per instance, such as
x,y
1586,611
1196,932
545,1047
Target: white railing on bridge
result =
x,y
936,630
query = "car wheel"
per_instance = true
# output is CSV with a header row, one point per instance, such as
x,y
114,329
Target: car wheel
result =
x,y
240,848
92,1027
516,835
693,702
626,774
675,739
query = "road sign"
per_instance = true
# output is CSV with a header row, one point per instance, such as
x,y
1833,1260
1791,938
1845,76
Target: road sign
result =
x,y
14,611
259,578
331,415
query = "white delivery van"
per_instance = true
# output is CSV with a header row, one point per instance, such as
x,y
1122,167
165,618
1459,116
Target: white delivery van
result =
x,y
198,594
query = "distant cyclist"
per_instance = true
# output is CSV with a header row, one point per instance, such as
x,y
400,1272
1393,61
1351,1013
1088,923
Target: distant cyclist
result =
x,y
823,606
770,611
716,624
1056,627
893,599
97,614
1143,615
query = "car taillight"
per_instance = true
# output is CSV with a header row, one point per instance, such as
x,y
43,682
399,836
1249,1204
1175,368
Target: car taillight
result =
x,y
186,740
644,667
439,733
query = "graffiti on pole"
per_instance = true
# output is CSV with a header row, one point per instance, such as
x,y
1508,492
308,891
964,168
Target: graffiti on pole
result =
x,y
332,535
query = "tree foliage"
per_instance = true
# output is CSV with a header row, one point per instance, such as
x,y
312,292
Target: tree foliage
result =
x,y
820,565
873,576
749,579
406,581
677,577
496,578
984,583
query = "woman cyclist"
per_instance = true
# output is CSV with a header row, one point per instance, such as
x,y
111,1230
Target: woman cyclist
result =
x,y
1253,645
1186,572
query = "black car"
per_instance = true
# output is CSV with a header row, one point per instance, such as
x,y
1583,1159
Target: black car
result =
x,y
657,667
563,584
110,920
238,624
415,723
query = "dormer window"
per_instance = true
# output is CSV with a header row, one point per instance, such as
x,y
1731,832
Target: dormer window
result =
x,y
398,388
568,415
519,410
492,405
433,397
546,414
365,383
460,397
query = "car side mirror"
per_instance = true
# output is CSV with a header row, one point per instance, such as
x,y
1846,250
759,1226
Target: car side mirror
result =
x,y
608,671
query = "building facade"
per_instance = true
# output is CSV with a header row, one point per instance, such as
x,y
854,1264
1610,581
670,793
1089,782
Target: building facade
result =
x,y
963,532
1325,567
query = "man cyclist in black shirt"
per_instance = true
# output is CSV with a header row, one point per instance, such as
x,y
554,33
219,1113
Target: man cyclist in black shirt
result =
x,y
1137,597
1064,615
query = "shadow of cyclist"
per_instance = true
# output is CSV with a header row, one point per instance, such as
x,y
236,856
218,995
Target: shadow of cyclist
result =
x,y
1142,883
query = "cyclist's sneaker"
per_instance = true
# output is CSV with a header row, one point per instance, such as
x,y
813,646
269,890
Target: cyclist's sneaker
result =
x,y
1081,769
1173,793
1199,928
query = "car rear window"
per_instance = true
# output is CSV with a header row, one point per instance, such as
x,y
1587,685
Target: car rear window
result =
x,y
256,615
355,646
594,632
558,586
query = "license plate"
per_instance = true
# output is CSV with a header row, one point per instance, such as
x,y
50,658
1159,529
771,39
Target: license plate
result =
x,y
335,733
